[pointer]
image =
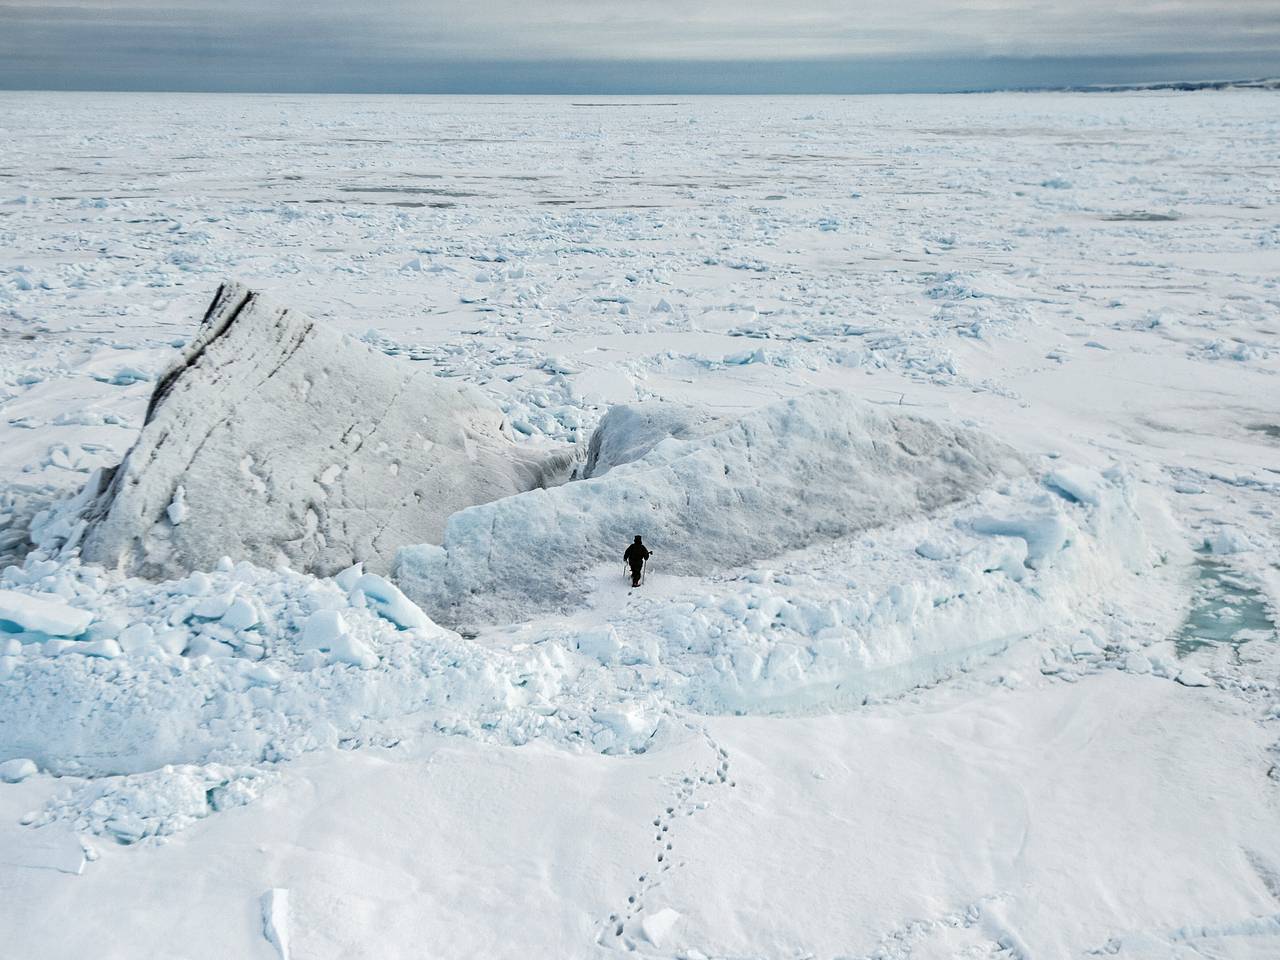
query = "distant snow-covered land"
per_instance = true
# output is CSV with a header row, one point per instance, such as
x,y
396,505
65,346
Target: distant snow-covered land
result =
x,y
953,423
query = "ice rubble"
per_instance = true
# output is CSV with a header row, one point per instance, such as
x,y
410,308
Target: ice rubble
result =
x,y
237,665
154,804
800,471
278,439
241,666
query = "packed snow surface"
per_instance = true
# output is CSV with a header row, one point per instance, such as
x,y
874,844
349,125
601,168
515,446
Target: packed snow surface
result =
x,y
971,653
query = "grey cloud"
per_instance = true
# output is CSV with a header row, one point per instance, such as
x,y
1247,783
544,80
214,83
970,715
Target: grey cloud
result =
x,y
429,44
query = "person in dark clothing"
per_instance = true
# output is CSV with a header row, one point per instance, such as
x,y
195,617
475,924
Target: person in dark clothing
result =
x,y
635,556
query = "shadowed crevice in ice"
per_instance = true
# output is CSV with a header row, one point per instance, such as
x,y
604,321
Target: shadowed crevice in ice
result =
x,y
19,506
1141,216
429,191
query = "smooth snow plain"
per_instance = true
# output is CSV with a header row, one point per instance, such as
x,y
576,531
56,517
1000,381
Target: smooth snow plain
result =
x,y
1036,719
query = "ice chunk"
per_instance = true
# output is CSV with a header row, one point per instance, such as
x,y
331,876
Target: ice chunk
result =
x,y
325,630
40,615
348,577
322,629
177,509
275,920
1191,677
1227,540
1076,484
126,376
1137,662
196,585
136,637
628,432
621,727
17,770
212,608
1044,536
933,550
602,643
107,649
389,603
239,615
657,926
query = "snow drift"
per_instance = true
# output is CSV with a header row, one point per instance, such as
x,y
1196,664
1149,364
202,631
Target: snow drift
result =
x,y
278,439
809,469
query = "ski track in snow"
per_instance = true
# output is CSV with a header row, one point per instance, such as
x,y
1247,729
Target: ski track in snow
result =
x,y
1089,278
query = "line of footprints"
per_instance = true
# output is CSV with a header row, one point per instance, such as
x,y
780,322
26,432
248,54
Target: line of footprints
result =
x,y
625,928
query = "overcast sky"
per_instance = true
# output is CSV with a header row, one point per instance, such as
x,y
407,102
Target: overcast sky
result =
x,y
622,46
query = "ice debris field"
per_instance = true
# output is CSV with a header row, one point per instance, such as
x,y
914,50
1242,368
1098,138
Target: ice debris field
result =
x,y
953,424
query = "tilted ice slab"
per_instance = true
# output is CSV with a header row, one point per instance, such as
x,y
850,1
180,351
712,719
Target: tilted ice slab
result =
x,y
800,471
47,615
278,439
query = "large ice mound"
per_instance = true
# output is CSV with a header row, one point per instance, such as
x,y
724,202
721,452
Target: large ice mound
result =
x,y
809,469
278,439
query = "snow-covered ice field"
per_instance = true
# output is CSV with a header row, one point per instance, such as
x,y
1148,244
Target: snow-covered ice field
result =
x,y
959,637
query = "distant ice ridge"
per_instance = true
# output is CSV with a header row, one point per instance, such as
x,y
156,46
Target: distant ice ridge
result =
x,y
798,472
279,439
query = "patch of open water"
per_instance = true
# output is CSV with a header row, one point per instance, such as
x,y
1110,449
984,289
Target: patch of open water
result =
x,y
1225,608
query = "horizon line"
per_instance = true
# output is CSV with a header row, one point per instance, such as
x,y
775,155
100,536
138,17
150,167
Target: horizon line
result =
x,y
634,78
1175,85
